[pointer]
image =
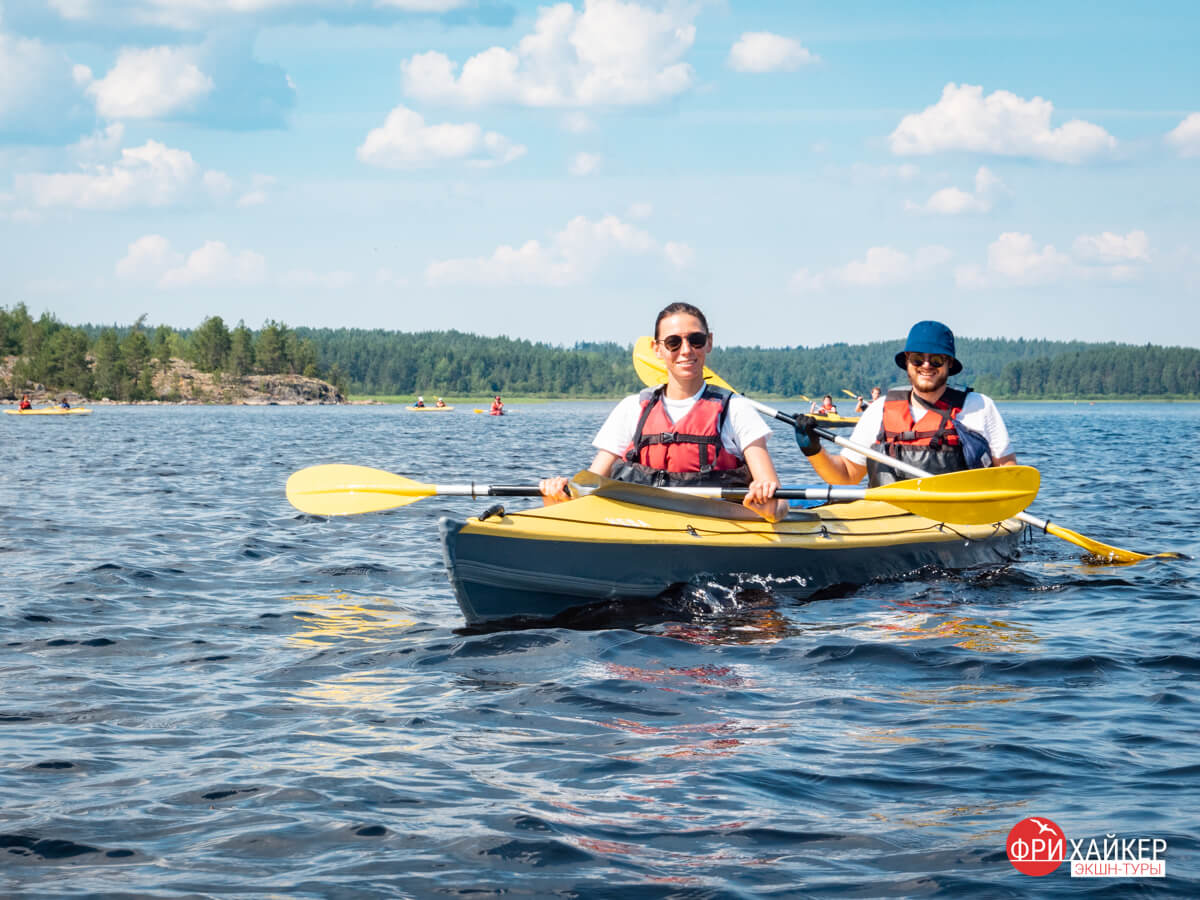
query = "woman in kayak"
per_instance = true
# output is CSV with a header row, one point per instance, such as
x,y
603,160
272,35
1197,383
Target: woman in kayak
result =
x,y
24,404
685,432
825,408
497,406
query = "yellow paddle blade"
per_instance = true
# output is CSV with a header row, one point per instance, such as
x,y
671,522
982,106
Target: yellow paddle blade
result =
x,y
973,497
344,490
653,371
849,393
1104,553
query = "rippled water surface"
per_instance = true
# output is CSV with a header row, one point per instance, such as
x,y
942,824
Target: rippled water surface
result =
x,y
206,693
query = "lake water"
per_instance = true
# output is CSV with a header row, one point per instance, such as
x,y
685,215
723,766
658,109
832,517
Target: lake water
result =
x,y
208,694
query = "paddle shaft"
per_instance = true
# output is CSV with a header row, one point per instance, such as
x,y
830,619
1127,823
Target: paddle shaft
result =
x,y
828,492
870,453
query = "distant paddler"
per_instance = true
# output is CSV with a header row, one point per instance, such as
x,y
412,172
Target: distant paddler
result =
x,y
439,403
686,432
861,405
928,425
25,402
824,408
497,406
420,404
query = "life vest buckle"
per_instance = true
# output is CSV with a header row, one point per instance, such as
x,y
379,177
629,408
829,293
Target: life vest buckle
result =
x,y
666,437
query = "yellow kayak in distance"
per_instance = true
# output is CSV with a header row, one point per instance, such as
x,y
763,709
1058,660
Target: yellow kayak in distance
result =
x,y
836,421
429,408
50,411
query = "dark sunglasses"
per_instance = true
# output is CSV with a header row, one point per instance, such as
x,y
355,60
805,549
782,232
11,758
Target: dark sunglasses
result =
x,y
937,360
674,341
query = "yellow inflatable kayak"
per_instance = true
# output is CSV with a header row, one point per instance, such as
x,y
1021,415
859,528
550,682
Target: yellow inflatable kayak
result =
x,y
629,541
429,408
50,411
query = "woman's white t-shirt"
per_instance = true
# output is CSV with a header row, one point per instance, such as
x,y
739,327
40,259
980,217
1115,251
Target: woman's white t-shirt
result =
x,y
743,425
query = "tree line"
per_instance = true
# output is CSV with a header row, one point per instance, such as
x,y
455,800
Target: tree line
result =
x,y
120,362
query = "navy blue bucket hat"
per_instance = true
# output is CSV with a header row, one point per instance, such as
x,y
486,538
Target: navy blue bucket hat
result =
x,y
930,337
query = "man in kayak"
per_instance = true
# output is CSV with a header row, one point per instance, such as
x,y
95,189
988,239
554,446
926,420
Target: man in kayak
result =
x,y
24,404
927,424
685,432
862,403
63,404
497,406
826,407
420,404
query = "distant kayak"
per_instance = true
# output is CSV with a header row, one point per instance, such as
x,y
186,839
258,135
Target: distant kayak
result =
x,y
836,421
50,411
429,408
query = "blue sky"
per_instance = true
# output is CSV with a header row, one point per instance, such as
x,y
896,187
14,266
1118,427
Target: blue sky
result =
x,y
805,172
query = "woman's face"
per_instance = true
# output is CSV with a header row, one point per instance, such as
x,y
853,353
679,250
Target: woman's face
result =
x,y
686,364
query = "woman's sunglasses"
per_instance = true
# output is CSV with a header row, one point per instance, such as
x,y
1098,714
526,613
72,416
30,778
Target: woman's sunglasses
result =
x,y
937,360
673,342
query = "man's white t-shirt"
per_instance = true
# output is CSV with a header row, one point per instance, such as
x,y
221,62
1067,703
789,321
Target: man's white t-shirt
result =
x,y
743,425
979,414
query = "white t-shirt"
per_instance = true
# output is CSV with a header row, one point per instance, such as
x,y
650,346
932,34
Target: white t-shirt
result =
x,y
979,414
743,425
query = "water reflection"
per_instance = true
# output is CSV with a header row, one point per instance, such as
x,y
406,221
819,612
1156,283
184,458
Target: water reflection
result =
x,y
329,618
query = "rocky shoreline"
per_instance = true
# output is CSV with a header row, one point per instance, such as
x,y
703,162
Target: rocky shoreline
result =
x,y
181,383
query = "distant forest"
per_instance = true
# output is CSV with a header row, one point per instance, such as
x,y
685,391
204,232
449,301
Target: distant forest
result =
x,y
119,362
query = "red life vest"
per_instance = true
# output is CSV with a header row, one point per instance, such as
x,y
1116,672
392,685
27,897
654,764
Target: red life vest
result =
x,y
931,444
693,444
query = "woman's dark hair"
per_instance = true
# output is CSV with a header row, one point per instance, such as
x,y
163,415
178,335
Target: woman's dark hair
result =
x,y
675,308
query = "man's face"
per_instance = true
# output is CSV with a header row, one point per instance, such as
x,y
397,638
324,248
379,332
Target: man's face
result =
x,y
924,376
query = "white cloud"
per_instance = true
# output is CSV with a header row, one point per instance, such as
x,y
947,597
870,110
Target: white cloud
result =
x,y
257,195
882,266
568,258
584,164
148,83
1185,137
762,51
405,140
99,145
609,53
148,258
38,91
679,255
952,201
152,259
150,175
640,210
1016,259
215,263
1112,249
1001,123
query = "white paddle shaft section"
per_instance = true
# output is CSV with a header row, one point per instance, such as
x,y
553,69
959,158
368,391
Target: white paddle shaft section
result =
x,y
871,453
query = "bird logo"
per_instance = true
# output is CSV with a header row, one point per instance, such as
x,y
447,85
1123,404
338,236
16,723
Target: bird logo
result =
x,y
1042,826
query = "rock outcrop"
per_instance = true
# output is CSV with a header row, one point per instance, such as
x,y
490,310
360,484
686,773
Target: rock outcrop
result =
x,y
181,382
